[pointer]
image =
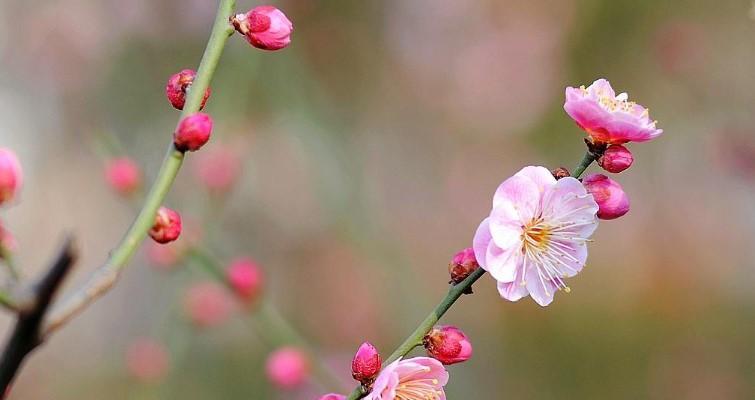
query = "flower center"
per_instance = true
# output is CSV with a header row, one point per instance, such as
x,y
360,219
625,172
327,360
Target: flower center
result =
x,y
536,235
419,389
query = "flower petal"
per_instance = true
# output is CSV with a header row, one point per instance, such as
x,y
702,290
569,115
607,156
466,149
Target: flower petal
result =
x,y
480,242
517,196
541,288
512,291
503,264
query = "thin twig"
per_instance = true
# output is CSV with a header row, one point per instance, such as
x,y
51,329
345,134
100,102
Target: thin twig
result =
x,y
26,335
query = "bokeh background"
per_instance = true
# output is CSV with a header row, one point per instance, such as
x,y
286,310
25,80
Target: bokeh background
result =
x,y
371,148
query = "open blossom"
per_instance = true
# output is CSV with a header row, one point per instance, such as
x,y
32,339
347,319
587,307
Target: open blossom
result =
x,y
287,367
609,118
10,175
536,234
612,201
419,378
123,175
265,27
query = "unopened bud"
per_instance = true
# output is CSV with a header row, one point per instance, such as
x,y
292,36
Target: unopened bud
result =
x,y
167,227
177,87
193,132
461,265
560,173
611,198
448,344
245,277
366,364
264,27
616,158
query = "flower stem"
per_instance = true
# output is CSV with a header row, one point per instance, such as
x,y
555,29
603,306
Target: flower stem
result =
x,y
415,339
586,161
105,277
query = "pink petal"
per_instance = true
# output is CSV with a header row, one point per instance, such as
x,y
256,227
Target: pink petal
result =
x,y
512,291
502,264
506,225
541,295
519,194
541,176
480,242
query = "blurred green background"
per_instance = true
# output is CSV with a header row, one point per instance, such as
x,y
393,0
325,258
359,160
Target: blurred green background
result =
x,y
372,146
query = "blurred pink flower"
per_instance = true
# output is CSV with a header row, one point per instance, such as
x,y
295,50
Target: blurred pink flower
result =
x,y
265,27
11,176
147,360
207,304
448,344
7,241
609,118
246,279
536,234
612,201
332,396
164,256
419,378
123,175
287,367
218,168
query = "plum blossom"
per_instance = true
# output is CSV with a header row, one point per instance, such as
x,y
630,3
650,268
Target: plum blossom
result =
x,y
419,378
536,234
609,118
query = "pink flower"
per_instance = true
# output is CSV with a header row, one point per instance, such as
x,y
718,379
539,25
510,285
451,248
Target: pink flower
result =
x,y
463,264
11,177
147,360
448,344
366,363
611,199
419,378
164,256
167,227
123,175
265,27
193,132
177,86
207,304
609,118
287,367
616,158
332,396
536,234
218,168
245,277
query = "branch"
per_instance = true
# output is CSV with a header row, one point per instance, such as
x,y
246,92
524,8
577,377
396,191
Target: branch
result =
x,y
106,276
26,335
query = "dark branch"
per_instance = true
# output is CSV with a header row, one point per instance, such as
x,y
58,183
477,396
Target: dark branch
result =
x,y
26,334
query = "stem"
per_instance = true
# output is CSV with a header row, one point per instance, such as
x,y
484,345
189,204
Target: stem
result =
x,y
271,326
105,277
586,161
7,256
415,339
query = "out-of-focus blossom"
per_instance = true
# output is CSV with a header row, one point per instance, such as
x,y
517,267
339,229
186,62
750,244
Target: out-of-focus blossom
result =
x,y
218,168
332,396
448,344
11,176
193,132
123,175
177,86
536,234
609,118
7,241
612,201
147,360
680,46
167,227
287,367
207,304
463,264
418,378
366,363
265,27
616,158
246,279
164,256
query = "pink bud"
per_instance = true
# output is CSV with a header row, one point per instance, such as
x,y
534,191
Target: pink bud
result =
x,y
178,85
265,27
463,264
147,360
167,226
218,168
193,132
287,367
448,344
366,364
11,177
123,175
245,277
611,199
332,396
616,158
207,304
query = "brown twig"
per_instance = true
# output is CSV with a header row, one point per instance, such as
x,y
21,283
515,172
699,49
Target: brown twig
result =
x,y
26,334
